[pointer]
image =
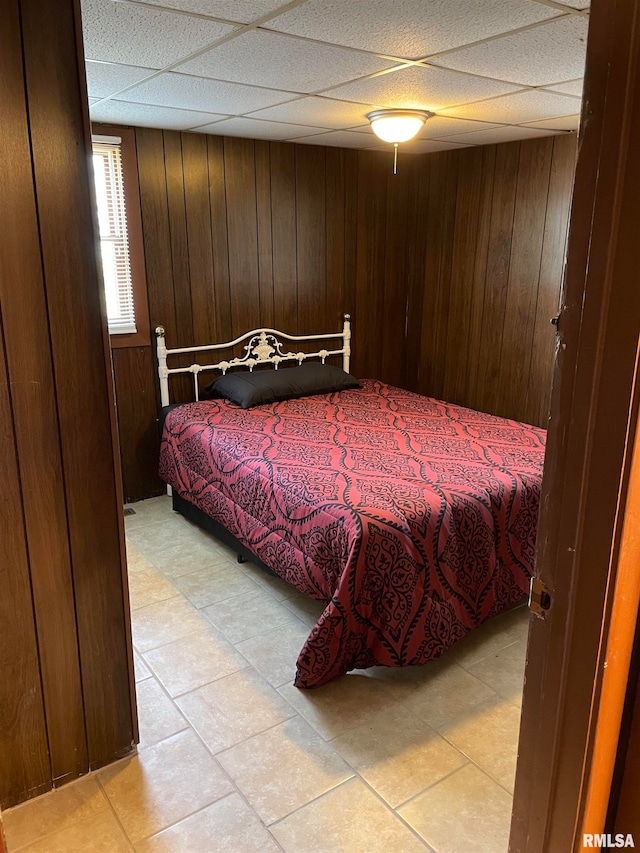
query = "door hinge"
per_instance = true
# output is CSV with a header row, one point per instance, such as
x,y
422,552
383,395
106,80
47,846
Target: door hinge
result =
x,y
539,597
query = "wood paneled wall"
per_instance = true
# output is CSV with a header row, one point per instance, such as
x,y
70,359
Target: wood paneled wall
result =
x,y
450,269
495,226
65,660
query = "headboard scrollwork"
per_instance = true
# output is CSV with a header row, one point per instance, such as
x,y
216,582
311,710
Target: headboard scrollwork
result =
x,y
263,347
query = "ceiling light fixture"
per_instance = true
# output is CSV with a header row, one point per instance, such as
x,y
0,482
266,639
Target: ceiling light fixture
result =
x,y
397,126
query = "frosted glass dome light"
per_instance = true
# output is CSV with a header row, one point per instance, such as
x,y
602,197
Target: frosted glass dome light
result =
x,y
397,125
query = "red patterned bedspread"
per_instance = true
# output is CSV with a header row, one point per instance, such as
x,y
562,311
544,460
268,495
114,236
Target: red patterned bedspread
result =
x,y
412,519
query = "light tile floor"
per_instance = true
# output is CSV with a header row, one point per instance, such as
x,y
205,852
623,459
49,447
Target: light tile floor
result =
x,y
234,758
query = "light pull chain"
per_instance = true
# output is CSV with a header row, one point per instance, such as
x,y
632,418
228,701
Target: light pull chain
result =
x,y
395,158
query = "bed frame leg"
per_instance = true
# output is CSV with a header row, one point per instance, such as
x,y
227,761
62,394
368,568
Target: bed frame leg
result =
x,y
240,558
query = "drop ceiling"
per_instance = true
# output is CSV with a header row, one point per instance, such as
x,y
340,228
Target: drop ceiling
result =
x,y
309,70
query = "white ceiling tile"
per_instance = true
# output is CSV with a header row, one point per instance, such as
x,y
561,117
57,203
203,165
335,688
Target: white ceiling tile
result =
x,y
323,112
269,59
542,55
106,78
137,35
340,139
143,115
517,109
254,129
443,126
561,123
500,134
241,11
421,87
574,87
408,28
199,93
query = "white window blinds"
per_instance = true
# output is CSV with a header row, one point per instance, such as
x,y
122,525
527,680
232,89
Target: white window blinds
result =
x,y
114,240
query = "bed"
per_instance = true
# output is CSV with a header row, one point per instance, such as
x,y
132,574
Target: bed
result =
x,y
411,519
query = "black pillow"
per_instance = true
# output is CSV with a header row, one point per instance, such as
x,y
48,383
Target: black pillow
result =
x,y
266,386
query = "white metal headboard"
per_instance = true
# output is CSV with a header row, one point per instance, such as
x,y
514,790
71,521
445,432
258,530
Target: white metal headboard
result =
x,y
263,347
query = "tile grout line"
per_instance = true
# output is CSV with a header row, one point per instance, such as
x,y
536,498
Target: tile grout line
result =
x,y
93,775
113,811
467,762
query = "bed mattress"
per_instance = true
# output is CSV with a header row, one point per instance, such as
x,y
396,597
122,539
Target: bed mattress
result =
x,y
413,520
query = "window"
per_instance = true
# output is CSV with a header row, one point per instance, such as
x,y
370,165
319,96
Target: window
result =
x,y
115,177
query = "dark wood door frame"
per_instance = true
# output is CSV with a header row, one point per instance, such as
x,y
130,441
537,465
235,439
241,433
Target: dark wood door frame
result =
x,y
591,430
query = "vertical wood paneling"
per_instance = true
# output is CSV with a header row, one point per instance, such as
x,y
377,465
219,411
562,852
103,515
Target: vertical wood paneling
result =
x,y
198,218
370,241
497,278
394,292
463,262
551,270
524,272
335,250
492,274
428,281
438,270
418,224
265,246
350,231
59,129
219,237
242,228
176,210
311,238
24,757
283,232
29,361
479,276
135,381
156,229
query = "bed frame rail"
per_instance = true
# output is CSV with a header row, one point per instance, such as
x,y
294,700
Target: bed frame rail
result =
x,y
263,347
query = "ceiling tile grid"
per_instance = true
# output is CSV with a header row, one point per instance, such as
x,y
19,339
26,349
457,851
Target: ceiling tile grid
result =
x,y
421,87
144,36
560,123
408,28
146,115
262,58
310,70
107,78
340,139
572,87
497,134
251,128
535,57
439,126
239,11
530,105
575,4
318,111
199,93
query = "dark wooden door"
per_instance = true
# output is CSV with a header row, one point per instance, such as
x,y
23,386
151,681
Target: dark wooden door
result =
x,y
592,428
